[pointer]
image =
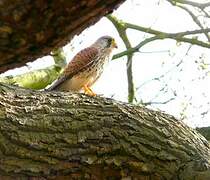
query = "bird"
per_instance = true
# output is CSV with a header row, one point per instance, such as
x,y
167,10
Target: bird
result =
x,y
86,67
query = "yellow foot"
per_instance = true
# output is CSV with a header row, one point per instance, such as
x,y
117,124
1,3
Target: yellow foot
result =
x,y
88,91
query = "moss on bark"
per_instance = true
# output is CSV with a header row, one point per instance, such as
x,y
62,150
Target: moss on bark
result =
x,y
57,134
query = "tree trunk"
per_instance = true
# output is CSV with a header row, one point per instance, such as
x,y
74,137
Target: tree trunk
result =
x,y
61,135
30,29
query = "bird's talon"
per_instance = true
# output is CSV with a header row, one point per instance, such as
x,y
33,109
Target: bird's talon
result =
x,y
91,94
88,91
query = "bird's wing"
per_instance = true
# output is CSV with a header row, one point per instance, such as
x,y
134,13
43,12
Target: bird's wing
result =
x,y
81,61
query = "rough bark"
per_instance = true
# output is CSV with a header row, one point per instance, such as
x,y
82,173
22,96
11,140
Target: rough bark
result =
x,y
63,135
30,29
205,131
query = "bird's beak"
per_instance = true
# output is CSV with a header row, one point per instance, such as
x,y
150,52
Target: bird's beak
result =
x,y
114,44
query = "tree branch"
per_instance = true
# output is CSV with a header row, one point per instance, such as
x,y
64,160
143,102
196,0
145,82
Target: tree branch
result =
x,y
195,19
122,33
192,3
31,29
136,48
161,35
39,79
157,102
175,36
60,134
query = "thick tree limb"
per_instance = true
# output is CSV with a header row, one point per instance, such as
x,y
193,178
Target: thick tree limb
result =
x,y
57,135
31,29
39,79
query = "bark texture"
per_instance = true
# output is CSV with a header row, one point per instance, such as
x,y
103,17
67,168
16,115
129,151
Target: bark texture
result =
x,y
30,29
205,131
57,135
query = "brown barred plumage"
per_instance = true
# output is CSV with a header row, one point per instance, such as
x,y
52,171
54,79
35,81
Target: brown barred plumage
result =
x,y
86,67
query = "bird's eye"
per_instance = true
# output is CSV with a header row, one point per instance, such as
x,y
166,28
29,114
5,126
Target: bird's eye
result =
x,y
109,42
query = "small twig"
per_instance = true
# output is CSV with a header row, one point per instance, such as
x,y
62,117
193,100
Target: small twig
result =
x,y
192,3
195,19
151,102
206,13
167,72
136,48
151,52
154,102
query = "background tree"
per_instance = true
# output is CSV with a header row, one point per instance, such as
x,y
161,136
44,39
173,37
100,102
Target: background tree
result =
x,y
167,83
76,136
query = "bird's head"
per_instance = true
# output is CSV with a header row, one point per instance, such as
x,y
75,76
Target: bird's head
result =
x,y
106,42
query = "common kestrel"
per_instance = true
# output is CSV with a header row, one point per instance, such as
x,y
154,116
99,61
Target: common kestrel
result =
x,y
86,67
